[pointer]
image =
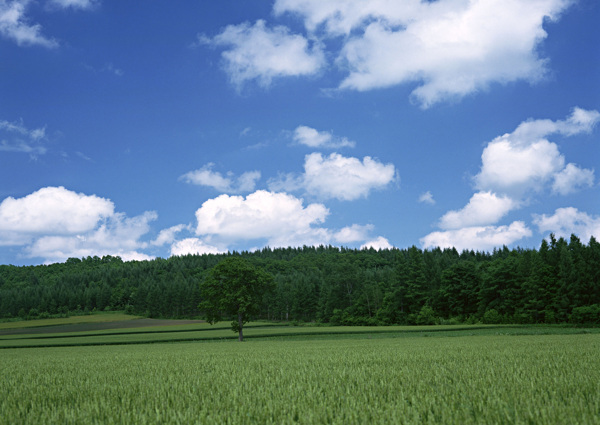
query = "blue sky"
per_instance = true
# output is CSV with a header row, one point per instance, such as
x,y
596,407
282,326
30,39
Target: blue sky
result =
x,y
200,127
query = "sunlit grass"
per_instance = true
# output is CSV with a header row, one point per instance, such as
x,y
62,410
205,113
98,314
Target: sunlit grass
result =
x,y
541,379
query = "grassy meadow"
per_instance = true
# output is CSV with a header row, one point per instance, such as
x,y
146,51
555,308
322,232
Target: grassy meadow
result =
x,y
305,375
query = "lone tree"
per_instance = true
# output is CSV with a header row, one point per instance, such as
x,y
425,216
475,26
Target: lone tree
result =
x,y
234,289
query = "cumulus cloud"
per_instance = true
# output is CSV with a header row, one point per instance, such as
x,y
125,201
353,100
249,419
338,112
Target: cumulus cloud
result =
x,y
345,178
514,166
354,233
483,208
452,48
15,137
480,238
53,210
427,198
268,218
579,121
524,160
257,52
320,139
339,177
340,17
572,178
58,249
55,223
567,221
205,176
378,244
193,246
117,236
517,168
167,236
279,218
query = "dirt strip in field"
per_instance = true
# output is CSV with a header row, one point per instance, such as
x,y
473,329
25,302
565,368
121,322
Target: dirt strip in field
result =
x,y
84,327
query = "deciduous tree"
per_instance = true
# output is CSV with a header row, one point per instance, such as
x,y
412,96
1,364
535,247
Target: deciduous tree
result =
x,y
234,289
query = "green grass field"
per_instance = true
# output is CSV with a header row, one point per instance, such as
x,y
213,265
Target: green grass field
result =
x,y
305,375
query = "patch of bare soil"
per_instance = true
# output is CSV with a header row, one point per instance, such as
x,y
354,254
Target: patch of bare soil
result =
x,y
86,327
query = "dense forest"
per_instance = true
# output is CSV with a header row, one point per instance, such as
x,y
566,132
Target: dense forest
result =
x,y
558,283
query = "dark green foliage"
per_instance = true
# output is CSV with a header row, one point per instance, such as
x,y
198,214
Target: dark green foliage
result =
x,y
588,315
234,289
559,283
426,316
492,317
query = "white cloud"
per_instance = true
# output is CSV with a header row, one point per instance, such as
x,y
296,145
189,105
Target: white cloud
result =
x,y
354,233
205,176
19,128
336,176
53,210
22,147
167,236
15,137
122,231
452,48
344,178
378,244
513,168
340,17
279,218
75,4
247,181
579,121
56,249
193,246
55,223
320,139
117,236
427,198
269,219
481,238
524,160
567,221
14,25
572,178
259,53
483,208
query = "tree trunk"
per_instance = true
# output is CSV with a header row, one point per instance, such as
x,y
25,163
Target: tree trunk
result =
x,y
240,324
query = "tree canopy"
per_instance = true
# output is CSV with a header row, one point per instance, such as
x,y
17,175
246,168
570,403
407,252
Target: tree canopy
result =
x,y
557,283
234,288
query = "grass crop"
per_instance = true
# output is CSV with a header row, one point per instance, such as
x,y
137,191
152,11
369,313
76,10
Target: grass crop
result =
x,y
482,379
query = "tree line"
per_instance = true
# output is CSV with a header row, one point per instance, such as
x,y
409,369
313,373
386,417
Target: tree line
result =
x,y
557,283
